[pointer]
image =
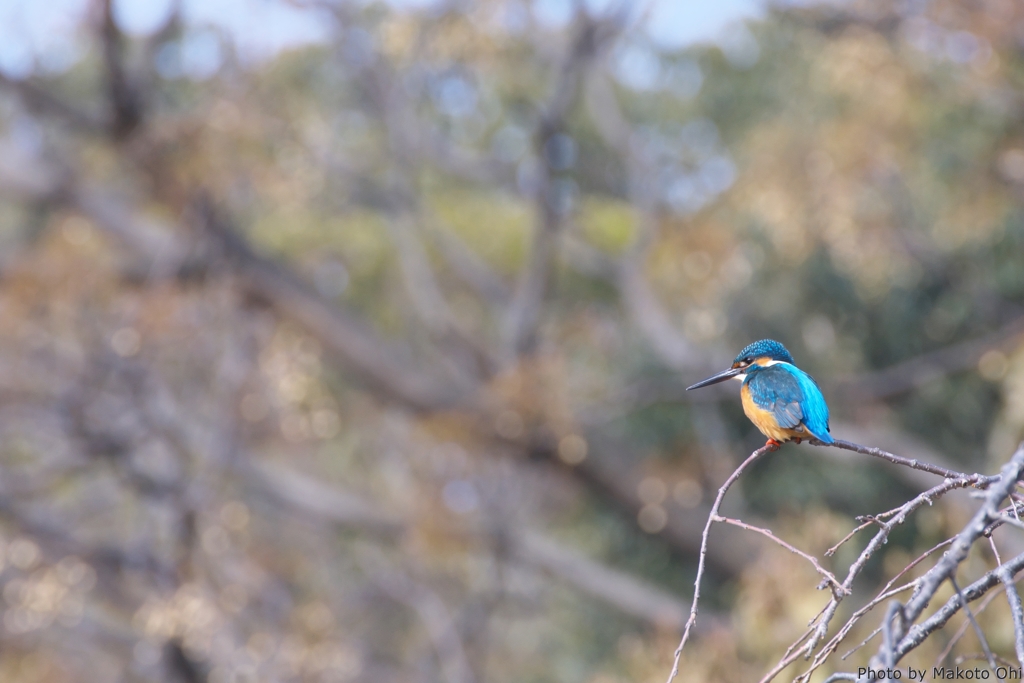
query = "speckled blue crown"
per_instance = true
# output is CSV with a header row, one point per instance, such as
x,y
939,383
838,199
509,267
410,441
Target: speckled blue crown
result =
x,y
766,348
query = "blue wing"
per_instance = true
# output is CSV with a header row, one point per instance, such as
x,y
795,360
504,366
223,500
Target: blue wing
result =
x,y
792,396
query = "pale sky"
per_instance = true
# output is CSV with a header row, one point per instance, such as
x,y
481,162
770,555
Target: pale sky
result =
x,y
43,33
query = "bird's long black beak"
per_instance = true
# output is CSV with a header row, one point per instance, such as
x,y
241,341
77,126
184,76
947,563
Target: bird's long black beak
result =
x,y
715,379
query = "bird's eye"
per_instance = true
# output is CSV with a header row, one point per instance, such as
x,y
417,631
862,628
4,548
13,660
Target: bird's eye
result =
x,y
744,363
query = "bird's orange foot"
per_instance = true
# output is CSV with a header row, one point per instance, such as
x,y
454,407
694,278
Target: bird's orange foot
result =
x,y
797,439
772,444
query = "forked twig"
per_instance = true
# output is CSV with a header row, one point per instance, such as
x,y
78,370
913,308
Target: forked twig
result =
x,y
898,516
884,594
917,634
946,567
963,627
900,634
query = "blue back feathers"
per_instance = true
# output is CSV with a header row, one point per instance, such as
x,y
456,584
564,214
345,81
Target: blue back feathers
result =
x,y
766,348
790,393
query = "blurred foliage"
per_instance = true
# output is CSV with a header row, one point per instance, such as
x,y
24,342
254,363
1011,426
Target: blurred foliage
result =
x,y
848,179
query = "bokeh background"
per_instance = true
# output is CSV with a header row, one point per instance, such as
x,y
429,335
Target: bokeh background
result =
x,y
346,341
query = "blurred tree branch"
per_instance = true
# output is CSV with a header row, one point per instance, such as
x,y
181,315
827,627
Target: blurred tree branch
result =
x,y
125,99
591,39
381,366
619,589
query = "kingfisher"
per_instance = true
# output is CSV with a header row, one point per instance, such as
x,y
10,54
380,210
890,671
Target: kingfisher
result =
x,y
782,401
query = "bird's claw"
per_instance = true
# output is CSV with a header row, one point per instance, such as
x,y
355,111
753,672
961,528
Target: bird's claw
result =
x,y
773,445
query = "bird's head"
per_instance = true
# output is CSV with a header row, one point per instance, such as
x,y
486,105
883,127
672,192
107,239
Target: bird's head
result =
x,y
762,353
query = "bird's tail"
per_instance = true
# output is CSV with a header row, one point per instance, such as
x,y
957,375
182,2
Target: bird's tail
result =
x,y
824,437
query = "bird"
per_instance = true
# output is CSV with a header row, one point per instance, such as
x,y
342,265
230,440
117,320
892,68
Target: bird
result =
x,y
783,401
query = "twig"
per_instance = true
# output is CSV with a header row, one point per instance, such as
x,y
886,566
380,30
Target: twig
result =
x,y
703,553
376,361
978,480
963,629
867,639
887,592
640,302
466,265
946,566
124,99
918,633
829,577
37,99
995,550
1003,519
790,657
888,650
884,594
839,637
886,522
832,551
1013,597
917,561
974,623
898,515
879,539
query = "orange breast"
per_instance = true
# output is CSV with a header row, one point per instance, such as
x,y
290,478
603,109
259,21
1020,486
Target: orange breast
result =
x,y
764,420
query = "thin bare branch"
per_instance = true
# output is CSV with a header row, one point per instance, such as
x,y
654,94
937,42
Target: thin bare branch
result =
x,y
977,480
386,370
876,542
986,648
946,566
794,653
998,491
960,632
887,592
1016,612
692,619
321,501
832,581
832,551
919,632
